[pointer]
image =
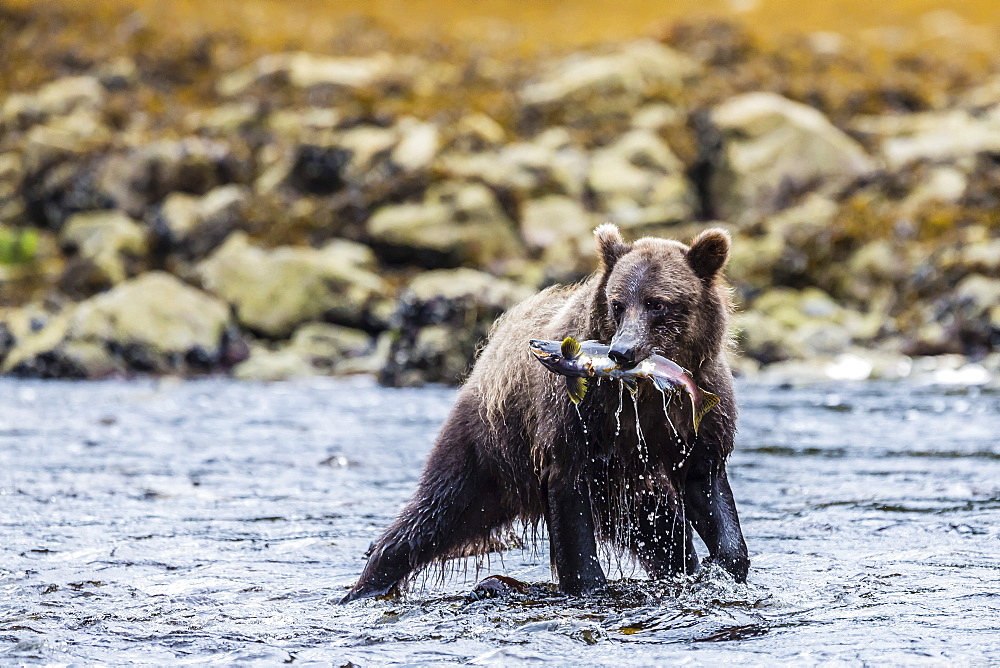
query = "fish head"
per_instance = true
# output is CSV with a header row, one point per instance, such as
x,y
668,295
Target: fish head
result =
x,y
549,353
559,356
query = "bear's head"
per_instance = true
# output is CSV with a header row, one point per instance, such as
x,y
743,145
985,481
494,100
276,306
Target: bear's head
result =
x,y
660,296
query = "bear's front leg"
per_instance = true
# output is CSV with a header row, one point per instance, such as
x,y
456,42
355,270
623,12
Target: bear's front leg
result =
x,y
572,544
712,510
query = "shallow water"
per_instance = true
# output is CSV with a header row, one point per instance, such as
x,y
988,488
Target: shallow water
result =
x,y
215,521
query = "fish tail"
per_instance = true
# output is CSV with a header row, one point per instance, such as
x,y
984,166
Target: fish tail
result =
x,y
571,348
707,403
577,388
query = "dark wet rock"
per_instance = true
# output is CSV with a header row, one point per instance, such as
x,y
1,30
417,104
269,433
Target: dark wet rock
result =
x,y
497,586
965,321
356,168
275,291
315,349
442,318
104,248
153,323
456,224
773,148
194,226
7,341
319,169
144,175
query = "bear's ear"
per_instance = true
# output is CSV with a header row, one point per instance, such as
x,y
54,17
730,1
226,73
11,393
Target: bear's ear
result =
x,y
709,252
610,245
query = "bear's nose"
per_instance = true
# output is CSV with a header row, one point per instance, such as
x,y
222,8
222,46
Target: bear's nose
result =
x,y
622,355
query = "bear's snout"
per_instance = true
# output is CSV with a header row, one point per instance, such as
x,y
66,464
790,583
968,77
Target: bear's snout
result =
x,y
625,348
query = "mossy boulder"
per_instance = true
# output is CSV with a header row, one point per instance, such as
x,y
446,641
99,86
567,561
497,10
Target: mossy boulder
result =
x,y
637,182
55,98
153,323
588,85
273,291
772,148
143,175
194,226
455,224
316,348
783,324
105,248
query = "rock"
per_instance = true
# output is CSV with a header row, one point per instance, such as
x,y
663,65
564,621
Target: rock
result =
x,y
785,324
153,323
981,258
638,181
983,96
656,116
274,291
11,173
443,317
945,136
105,247
315,349
307,70
873,269
145,175
7,341
418,145
195,226
376,162
267,364
942,185
791,247
118,74
595,84
560,231
475,133
772,148
456,224
975,305
56,98
225,120
60,169
549,165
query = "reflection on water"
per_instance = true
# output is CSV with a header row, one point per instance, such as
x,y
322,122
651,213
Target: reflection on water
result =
x,y
217,521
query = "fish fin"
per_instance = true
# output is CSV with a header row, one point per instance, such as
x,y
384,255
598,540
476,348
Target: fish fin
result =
x,y
630,383
577,388
708,402
571,348
663,384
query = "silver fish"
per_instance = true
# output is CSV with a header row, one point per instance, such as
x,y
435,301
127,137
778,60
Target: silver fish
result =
x,y
579,361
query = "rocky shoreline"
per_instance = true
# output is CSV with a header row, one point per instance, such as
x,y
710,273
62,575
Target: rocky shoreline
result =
x,y
285,214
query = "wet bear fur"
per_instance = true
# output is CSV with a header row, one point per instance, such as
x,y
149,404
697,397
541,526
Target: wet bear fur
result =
x,y
515,450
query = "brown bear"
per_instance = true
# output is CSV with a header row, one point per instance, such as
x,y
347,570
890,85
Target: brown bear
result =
x,y
627,471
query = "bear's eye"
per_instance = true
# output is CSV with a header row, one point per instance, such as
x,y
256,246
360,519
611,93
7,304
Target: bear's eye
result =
x,y
617,308
656,305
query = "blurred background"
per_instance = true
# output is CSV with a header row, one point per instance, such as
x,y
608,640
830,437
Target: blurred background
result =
x,y
281,189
